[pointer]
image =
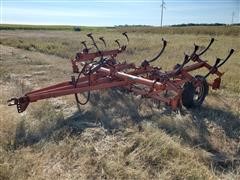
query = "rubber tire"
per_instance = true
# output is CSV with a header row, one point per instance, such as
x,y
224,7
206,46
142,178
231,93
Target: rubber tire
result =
x,y
189,91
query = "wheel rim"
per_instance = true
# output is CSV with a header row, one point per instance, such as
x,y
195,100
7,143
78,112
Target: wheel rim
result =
x,y
198,94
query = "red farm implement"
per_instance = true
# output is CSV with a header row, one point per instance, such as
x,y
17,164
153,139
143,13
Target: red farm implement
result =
x,y
101,70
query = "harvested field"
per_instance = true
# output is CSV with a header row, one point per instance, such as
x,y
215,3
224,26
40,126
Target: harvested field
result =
x,y
116,135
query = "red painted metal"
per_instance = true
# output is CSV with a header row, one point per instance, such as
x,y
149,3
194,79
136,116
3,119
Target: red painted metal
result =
x,y
102,71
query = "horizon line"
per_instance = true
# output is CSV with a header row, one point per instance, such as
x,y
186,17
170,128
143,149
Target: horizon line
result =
x,y
30,24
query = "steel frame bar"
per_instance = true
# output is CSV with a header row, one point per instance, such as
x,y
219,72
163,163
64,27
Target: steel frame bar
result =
x,y
145,80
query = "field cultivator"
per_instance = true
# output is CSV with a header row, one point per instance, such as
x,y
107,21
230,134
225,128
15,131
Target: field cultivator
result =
x,y
101,70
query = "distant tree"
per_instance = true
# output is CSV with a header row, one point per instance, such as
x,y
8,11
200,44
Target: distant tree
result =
x,y
77,28
201,24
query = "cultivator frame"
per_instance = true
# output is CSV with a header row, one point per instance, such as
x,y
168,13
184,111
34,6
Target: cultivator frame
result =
x,y
101,70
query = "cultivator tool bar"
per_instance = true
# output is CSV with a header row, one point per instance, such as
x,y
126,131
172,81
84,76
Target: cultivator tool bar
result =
x,y
100,70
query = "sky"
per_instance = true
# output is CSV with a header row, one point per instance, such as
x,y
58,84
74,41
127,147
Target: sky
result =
x,y
117,12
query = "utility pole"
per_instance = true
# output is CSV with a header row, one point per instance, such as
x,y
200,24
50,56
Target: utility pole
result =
x,y
233,14
162,6
238,12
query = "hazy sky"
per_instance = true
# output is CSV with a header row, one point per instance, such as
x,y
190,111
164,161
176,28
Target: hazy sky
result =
x,y
117,12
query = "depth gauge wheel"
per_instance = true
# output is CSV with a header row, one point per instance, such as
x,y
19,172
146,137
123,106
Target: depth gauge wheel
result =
x,y
195,92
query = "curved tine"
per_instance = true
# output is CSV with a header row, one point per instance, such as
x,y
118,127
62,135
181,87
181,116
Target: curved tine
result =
x,y
201,53
125,34
94,43
103,40
229,55
218,60
186,60
91,37
118,43
196,47
160,53
89,34
84,44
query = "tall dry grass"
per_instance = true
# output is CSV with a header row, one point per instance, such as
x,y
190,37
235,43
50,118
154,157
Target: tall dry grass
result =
x,y
56,140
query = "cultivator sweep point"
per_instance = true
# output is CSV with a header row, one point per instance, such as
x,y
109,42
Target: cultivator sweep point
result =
x,y
101,70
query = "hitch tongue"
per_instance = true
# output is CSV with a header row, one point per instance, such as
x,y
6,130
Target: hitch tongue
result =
x,y
21,103
12,101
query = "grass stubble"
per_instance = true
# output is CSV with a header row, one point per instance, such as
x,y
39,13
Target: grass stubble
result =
x,y
54,139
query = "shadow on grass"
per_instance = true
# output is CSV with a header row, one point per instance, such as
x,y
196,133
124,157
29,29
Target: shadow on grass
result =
x,y
199,123
73,125
228,121
116,113
112,114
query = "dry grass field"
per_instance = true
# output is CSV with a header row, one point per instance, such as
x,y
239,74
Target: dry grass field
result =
x,y
115,136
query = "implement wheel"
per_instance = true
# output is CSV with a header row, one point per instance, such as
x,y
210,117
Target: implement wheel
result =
x,y
195,92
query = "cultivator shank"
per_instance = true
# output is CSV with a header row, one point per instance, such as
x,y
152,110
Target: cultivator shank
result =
x,y
100,70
